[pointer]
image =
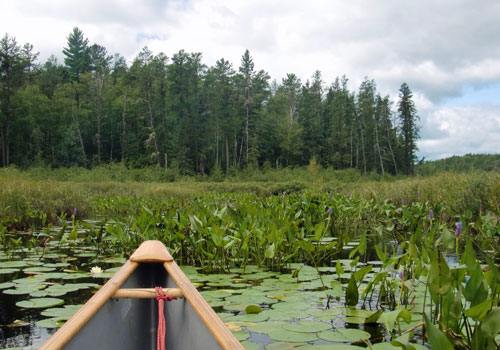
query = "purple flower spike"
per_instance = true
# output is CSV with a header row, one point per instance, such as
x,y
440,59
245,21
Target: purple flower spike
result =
x,y
443,216
74,211
402,201
331,194
216,204
330,211
458,230
350,195
401,275
418,194
431,214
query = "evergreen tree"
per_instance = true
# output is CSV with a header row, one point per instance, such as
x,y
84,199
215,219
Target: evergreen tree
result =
x,y
77,54
408,120
13,65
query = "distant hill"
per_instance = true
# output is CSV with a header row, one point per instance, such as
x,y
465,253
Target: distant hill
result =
x,y
460,164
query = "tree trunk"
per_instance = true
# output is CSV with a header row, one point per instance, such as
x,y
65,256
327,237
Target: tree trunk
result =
x,y
235,150
124,127
153,132
390,146
377,145
77,124
227,155
246,131
363,148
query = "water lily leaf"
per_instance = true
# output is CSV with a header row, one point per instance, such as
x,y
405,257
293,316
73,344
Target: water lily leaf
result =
x,y
283,346
17,323
6,285
261,317
13,264
290,336
241,335
7,271
331,347
266,327
23,289
307,326
54,322
346,335
354,320
39,269
248,345
235,326
63,313
325,314
253,309
40,303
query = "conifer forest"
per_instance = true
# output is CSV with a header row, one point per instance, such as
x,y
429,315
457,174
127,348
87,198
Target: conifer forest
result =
x,y
175,112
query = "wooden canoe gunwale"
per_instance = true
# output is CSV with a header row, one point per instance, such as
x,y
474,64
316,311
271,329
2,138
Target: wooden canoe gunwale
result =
x,y
149,251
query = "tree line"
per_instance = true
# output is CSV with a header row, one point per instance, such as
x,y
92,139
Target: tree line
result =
x,y
175,112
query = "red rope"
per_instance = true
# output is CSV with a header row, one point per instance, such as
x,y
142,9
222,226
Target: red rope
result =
x,y
160,337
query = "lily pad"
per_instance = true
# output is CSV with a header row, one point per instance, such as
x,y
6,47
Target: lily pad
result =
x,y
61,312
241,335
307,326
346,335
40,303
248,345
8,270
39,269
12,264
283,346
266,327
291,336
331,347
54,322
6,285
325,314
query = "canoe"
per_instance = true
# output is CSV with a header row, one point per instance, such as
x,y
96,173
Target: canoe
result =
x,y
123,314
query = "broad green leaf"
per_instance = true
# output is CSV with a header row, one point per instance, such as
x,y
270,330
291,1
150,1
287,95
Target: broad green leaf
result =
x,y
490,326
352,293
437,339
253,309
476,289
477,312
439,279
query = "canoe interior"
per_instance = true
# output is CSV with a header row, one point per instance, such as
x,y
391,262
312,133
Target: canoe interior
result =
x,y
132,323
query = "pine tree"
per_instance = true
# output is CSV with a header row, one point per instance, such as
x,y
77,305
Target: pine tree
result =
x,y
77,54
408,119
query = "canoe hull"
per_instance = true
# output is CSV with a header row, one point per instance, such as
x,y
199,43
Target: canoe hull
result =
x,y
132,323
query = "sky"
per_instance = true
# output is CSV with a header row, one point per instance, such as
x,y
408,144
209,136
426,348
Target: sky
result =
x,y
447,51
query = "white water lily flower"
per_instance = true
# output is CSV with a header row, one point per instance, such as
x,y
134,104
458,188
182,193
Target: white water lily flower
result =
x,y
95,270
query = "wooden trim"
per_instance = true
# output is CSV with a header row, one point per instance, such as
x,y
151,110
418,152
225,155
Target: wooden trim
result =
x,y
216,326
146,293
151,251
85,313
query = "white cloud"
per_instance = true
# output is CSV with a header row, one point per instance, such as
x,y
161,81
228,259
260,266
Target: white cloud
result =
x,y
460,130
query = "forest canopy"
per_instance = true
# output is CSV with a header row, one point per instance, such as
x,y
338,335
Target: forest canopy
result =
x,y
175,112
